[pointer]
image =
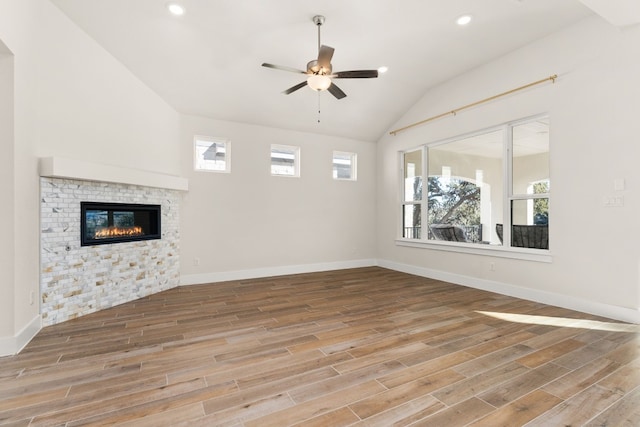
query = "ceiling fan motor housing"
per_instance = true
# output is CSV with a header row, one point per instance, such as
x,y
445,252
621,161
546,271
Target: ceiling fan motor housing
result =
x,y
315,68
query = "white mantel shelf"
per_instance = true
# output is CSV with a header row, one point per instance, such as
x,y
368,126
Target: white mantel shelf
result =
x,y
59,167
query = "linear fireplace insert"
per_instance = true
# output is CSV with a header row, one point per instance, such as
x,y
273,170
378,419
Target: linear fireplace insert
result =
x,y
103,223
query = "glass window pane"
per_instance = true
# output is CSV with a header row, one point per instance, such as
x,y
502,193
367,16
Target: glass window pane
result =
x,y
411,221
531,157
530,223
413,175
284,160
465,188
344,165
212,154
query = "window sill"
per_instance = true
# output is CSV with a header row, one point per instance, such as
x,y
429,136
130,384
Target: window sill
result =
x,y
537,255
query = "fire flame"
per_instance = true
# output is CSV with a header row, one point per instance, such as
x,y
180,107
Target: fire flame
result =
x,y
118,232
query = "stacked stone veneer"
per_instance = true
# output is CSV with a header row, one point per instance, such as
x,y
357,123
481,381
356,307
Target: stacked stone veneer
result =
x,y
76,280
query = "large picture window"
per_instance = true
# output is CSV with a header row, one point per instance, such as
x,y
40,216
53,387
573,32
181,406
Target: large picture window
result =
x,y
488,188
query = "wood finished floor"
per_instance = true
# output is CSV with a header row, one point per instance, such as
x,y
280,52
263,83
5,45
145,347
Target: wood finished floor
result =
x,y
363,347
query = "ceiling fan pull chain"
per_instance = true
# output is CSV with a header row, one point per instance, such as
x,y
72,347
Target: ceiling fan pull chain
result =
x,y
318,106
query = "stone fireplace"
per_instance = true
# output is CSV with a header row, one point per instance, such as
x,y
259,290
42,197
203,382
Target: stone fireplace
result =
x,y
82,273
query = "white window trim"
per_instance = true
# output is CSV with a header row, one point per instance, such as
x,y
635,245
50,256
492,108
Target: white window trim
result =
x,y
227,153
354,165
539,255
296,160
499,251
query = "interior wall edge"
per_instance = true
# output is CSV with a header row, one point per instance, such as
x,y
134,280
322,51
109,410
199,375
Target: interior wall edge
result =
x,y
623,314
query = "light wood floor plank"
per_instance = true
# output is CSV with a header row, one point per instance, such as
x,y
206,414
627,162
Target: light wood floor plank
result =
x,y
579,409
520,385
579,379
405,414
337,418
520,411
480,383
625,412
404,393
459,415
318,406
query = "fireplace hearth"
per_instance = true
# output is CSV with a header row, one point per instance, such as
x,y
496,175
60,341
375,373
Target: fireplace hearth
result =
x,y
106,223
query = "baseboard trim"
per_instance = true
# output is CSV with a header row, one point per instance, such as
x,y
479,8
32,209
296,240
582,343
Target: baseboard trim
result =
x,y
550,298
224,276
13,345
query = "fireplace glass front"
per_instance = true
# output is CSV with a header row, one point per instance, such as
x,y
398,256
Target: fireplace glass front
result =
x,y
104,223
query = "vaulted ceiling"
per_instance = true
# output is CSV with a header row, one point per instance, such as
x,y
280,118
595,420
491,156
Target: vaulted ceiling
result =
x,y
207,62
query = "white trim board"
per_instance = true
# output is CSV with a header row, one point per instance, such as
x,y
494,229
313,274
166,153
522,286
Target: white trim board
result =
x,y
224,276
60,167
559,300
13,345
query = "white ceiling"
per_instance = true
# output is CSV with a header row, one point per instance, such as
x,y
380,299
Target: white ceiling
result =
x,y
207,62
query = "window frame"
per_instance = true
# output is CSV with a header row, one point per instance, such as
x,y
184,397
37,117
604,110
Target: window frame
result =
x,y
353,165
213,140
296,160
404,202
505,250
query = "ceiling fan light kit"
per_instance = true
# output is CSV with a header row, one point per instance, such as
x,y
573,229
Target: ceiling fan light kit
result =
x,y
176,9
319,82
320,71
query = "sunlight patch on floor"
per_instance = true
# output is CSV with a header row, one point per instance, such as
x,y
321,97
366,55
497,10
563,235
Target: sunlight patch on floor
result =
x,y
564,322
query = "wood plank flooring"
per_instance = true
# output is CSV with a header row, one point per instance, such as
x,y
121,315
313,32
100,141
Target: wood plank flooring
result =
x,y
360,347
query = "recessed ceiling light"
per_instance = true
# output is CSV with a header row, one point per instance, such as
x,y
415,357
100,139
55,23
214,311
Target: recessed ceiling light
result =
x,y
463,20
175,8
383,69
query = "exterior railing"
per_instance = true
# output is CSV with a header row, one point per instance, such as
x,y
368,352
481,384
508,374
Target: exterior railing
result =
x,y
473,233
412,233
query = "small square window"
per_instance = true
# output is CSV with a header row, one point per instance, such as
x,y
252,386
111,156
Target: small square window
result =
x,y
285,160
344,165
212,154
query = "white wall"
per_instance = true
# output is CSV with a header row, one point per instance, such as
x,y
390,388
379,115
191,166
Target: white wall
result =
x,y
594,134
6,187
249,223
71,99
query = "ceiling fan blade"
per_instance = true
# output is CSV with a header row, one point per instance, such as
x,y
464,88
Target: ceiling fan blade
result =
x,y
324,56
356,74
295,88
336,91
283,68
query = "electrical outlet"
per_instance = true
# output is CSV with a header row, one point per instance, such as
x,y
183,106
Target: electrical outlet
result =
x,y
196,261
31,298
492,266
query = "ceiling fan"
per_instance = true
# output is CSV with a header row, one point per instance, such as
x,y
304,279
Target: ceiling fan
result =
x,y
320,72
